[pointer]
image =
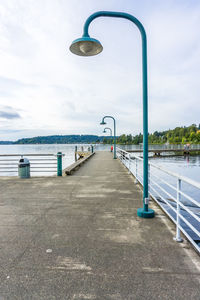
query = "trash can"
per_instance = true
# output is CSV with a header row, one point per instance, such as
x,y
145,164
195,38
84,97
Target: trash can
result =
x,y
24,168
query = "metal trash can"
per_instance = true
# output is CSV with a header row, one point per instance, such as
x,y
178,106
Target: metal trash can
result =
x,y
24,168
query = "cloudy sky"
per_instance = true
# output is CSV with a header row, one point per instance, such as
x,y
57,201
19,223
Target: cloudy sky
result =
x,y
45,89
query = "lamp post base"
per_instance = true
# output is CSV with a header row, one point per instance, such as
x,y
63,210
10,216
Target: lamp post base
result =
x,y
145,214
178,240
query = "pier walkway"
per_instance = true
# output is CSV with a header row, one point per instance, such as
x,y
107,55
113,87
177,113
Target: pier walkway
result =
x,y
78,237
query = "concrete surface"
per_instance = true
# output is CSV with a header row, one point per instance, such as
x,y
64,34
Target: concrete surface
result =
x,y
78,237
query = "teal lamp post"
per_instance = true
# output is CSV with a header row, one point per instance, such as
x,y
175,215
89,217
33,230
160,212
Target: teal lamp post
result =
x,y
104,123
108,128
87,46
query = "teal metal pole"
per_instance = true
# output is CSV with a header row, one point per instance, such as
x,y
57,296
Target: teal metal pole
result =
x,y
115,156
110,134
144,212
114,153
59,164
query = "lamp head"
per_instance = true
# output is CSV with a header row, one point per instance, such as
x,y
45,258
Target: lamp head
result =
x,y
103,122
104,131
86,46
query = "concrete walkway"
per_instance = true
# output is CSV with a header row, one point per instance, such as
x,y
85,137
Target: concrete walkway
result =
x,y
78,237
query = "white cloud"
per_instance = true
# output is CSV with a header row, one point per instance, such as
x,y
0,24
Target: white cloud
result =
x,y
56,92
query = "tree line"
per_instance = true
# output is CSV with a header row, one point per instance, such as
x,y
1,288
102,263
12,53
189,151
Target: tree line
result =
x,y
178,135
62,139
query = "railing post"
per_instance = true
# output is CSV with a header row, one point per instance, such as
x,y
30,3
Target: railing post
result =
x,y
75,153
136,169
129,163
59,164
178,199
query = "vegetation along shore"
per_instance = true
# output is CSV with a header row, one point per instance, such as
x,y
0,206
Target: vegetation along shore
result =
x,y
178,135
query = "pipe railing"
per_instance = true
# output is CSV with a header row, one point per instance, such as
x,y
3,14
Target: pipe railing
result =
x,y
177,195
39,163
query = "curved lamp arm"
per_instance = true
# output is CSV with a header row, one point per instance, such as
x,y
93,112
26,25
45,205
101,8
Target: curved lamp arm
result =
x,y
114,15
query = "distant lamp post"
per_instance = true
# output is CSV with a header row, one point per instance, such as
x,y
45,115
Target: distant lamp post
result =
x,y
108,128
104,123
87,46
104,131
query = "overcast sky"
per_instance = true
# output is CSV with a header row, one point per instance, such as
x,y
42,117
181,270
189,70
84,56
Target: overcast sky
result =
x,y
46,90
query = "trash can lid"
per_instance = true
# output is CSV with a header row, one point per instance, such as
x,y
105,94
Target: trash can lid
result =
x,y
23,161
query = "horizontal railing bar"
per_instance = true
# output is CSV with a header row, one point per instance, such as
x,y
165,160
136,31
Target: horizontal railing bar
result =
x,y
41,167
43,163
8,171
31,159
7,167
187,180
174,209
44,171
15,166
27,154
162,189
137,157
189,198
35,171
9,160
189,211
43,159
189,224
162,180
1,164
169,215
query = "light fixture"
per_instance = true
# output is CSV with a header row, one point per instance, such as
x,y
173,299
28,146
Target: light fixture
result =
x,y
86,46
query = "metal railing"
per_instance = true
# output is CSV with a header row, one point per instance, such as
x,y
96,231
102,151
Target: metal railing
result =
x,y
177,195
39,163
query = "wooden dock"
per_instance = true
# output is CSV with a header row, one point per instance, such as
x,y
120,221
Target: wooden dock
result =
x,y
77,164
79,237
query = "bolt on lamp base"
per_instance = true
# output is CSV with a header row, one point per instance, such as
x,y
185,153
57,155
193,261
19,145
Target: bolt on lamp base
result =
x,y
145,214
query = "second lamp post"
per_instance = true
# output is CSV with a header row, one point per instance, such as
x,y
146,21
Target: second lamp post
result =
x,y
104,123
